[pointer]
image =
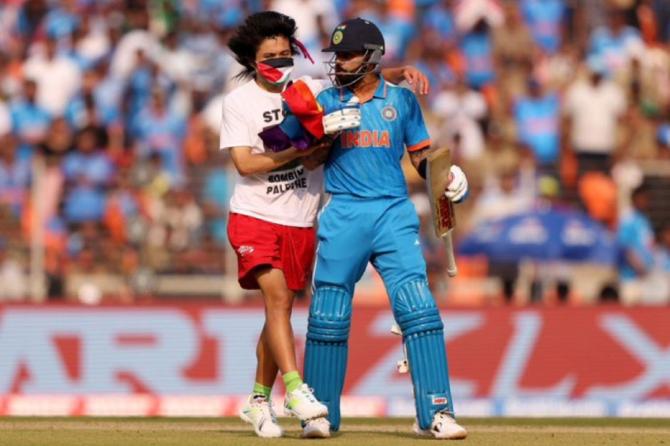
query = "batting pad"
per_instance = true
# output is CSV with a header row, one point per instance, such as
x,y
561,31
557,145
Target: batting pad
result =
x,y
423,334
326,347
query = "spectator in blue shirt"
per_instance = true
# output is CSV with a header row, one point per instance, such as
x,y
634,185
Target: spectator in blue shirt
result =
x,y
108,93
636,238
617,43
29,20
440,19
91,106
84,202
663,257
215,196
62,20
89,160
140,84
545,20
162,131
537,117
477,48
433,63
30,121
663,138
14,176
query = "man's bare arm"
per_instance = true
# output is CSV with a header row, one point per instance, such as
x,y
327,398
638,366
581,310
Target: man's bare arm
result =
x,y
417,156
412,75
248,163
319,155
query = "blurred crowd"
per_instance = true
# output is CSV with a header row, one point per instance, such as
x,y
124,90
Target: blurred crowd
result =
x,y
109,116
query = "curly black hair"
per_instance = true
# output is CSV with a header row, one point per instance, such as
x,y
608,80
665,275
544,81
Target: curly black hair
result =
x,y
256,28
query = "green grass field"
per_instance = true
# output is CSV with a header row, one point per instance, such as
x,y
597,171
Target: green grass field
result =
x,y
364,432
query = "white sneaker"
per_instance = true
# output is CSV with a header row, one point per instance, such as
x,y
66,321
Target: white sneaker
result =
x,y
443,427
301,403
316,428
259,413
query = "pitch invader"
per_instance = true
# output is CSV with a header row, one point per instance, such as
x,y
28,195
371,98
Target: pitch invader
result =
x,y
370,218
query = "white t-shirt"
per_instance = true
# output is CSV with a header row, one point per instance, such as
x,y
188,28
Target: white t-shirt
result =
x,y
58,80
460,113
288,196
595,112
5,119
125,53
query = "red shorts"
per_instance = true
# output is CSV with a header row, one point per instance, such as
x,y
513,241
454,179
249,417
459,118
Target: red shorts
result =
x,y
261,243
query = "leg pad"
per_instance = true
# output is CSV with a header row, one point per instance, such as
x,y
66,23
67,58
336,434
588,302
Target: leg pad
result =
x,y
415,311
326,348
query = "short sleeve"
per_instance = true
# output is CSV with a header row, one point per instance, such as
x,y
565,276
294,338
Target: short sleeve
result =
x,y
321,84
324,98
416,134
235,130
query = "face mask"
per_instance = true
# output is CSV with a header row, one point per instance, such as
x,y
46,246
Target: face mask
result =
x,y
275,71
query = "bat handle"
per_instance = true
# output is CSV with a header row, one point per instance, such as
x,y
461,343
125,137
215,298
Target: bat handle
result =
x,y
452,269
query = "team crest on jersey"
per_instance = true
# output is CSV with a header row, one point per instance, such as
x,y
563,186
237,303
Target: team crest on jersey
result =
x,y
389,113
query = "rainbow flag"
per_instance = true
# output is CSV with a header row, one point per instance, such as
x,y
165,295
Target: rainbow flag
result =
x,y
302,125
302,103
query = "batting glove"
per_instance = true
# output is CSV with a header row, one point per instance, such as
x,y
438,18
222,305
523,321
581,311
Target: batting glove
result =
x,y
346,118
458,187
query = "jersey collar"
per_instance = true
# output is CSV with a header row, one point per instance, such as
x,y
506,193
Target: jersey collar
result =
x,y
380,92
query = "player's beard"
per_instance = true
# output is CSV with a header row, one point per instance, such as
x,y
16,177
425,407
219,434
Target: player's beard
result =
x,y
349,79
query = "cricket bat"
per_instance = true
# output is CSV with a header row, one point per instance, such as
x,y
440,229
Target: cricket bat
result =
x,y
444,218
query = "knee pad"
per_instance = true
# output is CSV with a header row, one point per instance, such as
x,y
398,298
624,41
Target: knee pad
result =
x,y
422,329
329,315
326,347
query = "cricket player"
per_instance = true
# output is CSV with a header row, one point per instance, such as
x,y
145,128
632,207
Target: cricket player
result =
x,y
273,207
370,218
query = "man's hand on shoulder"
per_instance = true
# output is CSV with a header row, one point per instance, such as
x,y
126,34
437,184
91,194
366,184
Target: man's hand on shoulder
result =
x,y
416,79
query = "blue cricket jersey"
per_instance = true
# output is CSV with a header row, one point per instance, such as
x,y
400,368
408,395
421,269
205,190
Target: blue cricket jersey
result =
x,y
635,233
365,162
538,123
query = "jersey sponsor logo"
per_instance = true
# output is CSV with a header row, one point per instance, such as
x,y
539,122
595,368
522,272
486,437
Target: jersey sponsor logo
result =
x,y
365,138
389,113
439,400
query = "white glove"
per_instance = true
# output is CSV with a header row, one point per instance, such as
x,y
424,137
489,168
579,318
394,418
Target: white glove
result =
x,y
346,118
458,187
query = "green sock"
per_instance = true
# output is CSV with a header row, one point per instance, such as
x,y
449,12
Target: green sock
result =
x,y
260,389
292,381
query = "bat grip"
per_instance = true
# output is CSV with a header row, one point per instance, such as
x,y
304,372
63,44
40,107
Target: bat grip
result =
x,y
452,269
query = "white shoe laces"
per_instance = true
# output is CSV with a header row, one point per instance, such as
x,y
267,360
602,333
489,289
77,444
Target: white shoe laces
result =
x,y
308,392
265,406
